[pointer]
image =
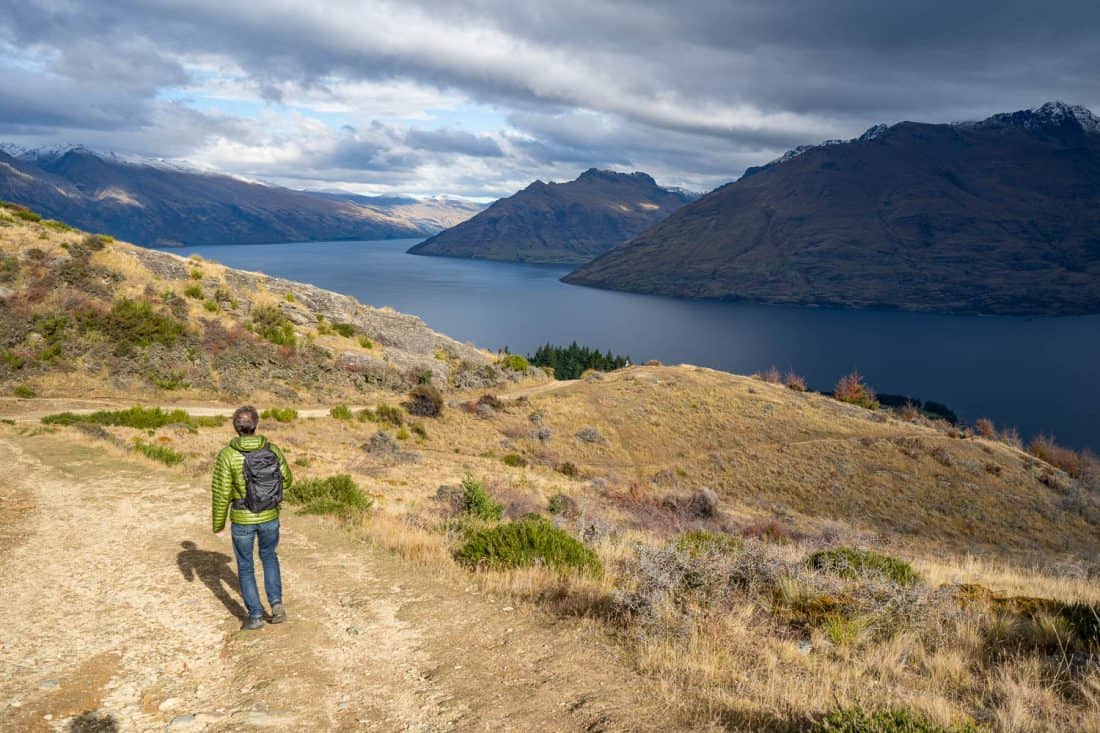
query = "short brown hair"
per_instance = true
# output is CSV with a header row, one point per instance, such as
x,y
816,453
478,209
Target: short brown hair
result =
x,y
246,420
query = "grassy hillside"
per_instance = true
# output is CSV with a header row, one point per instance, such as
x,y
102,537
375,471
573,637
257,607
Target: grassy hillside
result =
x,y
85,315
769,559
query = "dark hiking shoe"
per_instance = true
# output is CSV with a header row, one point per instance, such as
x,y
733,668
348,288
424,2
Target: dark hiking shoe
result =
x,y
278,614
252,624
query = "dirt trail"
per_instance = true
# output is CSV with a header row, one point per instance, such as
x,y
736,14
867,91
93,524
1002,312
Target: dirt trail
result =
x,y
108,612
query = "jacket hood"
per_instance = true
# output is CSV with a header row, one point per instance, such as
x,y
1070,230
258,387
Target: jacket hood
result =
x,y
248,443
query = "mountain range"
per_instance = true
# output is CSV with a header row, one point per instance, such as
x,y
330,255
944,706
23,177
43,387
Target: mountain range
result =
x,y
153,202
568,222
1000,216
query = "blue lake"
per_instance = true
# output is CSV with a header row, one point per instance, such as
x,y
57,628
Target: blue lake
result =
x,y
1035,374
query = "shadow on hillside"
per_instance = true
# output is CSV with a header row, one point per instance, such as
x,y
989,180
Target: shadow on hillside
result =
x,y
215,571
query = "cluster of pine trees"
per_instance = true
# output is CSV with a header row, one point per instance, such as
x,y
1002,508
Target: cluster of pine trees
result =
x,y
569,362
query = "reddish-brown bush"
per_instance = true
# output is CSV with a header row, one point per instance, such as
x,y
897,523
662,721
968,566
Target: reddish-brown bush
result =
x,y
1044,448
852,389
795,381
985,428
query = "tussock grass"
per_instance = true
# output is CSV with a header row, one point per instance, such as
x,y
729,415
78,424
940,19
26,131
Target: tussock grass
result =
x,y
161,453
335,495
525,543
136,417
280,414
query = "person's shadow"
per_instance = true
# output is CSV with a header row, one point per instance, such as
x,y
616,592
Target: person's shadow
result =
x,y
213,569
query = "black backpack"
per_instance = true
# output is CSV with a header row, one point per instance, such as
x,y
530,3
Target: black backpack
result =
x,y
263,480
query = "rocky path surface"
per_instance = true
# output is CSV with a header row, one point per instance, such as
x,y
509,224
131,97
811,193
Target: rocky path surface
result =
x,y
119,605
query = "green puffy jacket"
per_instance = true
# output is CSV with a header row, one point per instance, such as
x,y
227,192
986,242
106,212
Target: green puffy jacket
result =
x,y
228,483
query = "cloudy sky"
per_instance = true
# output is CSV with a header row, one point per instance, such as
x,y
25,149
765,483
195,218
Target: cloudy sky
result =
x,y
479,97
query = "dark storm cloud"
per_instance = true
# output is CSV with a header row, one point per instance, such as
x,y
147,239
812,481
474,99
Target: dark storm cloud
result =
x,y
696,90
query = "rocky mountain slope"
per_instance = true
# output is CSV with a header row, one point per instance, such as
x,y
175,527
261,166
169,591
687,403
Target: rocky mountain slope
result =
x,y
148,202
560,222
999,216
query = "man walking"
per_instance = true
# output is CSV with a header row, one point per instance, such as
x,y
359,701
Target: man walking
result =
x,y
249,477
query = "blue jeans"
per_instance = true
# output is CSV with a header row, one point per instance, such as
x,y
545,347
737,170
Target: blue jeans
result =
x,y
243,536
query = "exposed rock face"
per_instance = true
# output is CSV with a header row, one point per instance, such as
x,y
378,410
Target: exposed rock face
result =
x,y
560,222
1000,216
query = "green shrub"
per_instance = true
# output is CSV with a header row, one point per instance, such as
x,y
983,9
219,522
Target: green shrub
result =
x,y
515,362
402,434
143,418
304,462
161,453
419,430
336,495
340,412
701,542
851,563
479,504
383,414
515,460
289,297
26,214
196,274
25,391
57,226
133,323
280,414
526,543
856,720
425,401
324,328
171,381
272,325
13,360
211,305
366,343
344,329
193,290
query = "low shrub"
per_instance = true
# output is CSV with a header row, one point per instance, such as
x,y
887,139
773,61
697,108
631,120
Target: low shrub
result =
x,y
384,415
402,433
563,506
478,503
515,363
143,418
366,343
526,543
589,435
280,414
702,542
852,563
770,375
984,427
272,325
424,401
132,323
856,720
161,453
25,391
196,274
344,329
515,460
193,290
568,468
1046,449
795,382
340,412
210,305
852,389
24,213
419,430
335,495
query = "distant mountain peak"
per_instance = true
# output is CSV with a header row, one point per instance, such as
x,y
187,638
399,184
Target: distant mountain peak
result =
x,y
1048,116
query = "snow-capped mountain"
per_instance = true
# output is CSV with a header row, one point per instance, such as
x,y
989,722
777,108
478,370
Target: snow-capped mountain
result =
x,y
1048,116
